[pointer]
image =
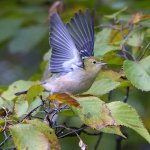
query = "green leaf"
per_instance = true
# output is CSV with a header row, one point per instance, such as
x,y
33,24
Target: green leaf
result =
x,y
94,112
33,92
102,43
7,104
135,38
16,87
34,135
116,14
113,130
27,39
103,86
103,48
21,106
127,116
6,31
138,73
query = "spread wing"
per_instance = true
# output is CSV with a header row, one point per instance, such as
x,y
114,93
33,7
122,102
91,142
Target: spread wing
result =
x,y
81,29
65,56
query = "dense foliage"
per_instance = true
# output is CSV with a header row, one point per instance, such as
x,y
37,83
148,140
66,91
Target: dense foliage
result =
x,y
27,111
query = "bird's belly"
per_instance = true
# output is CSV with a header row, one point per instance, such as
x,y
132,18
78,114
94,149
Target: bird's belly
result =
x,y
71,84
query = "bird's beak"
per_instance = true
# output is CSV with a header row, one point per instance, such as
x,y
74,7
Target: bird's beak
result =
x,y
102,63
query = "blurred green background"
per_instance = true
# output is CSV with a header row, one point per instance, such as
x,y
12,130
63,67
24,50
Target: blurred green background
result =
x,y
24,34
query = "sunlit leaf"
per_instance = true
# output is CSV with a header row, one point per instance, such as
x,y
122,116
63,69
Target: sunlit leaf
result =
x,y
7,104
33,92
101,49
113,130
15,87
94,112
127,116
21,106
34,135
103,86
102,43
138,73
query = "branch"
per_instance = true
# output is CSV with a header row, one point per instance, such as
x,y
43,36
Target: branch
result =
x,y
144,51
6,139
126,95
98,141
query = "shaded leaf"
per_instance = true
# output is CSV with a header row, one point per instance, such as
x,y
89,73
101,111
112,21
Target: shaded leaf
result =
x,y
138,73
34,135
33,92
116,14
64,98
127,116
16,87
117,60
103,86
5,31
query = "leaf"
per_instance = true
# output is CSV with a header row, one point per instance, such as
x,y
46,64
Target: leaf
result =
x,y
115,61
145,23
64,98
138,73
135,38
33,92
34,135
103,86
16,87
127,116
116,14
5,31
27,39
113,130
136,18
21,106
7,104
94,112
102,43
102,49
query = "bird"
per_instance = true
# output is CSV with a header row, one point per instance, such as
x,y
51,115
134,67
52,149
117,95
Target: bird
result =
x,y
72,62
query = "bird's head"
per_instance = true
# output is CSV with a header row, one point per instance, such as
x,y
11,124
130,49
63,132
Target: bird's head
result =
x,y
93,64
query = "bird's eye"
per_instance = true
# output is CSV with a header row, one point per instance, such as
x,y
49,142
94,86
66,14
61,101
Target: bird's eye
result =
x,y
94,62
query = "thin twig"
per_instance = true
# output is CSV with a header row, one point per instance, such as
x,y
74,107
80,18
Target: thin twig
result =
x,y
27,115
118,141
144,51
72,131
126,95
124,50
6,139
98,141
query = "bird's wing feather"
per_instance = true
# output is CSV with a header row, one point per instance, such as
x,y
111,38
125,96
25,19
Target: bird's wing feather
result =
x,y
81,29
65,55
